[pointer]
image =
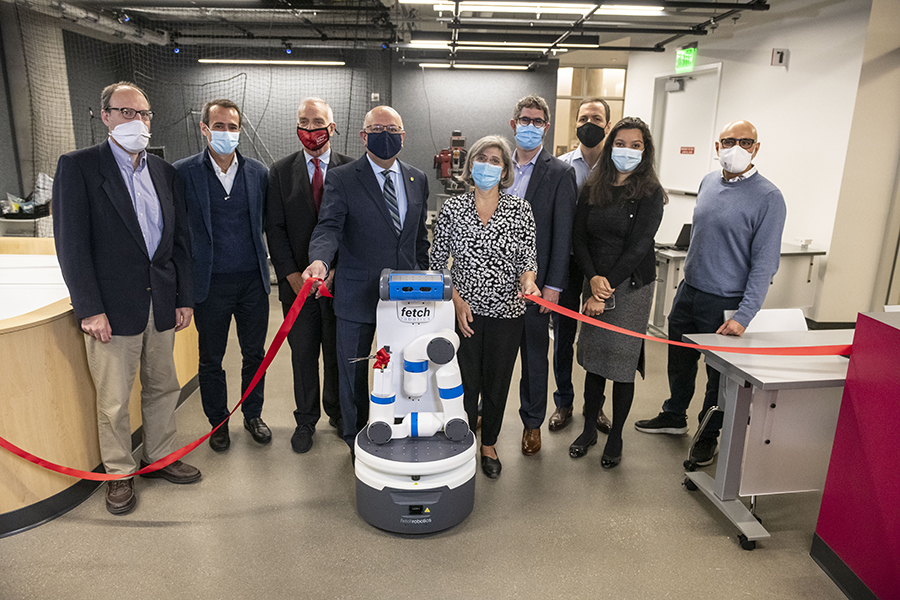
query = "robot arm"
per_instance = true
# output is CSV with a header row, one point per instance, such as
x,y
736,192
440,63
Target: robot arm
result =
x,y
438,347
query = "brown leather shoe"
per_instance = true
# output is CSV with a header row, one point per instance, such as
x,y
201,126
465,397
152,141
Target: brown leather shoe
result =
x,y
177,472
120,497
560,418
531,442
603,423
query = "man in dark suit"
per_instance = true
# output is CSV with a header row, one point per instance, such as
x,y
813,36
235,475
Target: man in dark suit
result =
x,y
550,187
296,186
373,216
225,194
123,246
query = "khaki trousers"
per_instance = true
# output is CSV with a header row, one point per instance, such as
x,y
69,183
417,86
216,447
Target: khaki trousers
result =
x,y
113,368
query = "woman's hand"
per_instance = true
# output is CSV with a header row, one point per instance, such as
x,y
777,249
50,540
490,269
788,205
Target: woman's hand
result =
x,y
463,314
529,287
593,307
600,288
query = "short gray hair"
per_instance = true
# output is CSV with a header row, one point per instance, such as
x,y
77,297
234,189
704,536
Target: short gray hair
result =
x,y
108,91
491,141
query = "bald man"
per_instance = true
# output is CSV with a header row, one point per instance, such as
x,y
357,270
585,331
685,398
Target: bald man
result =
x,y
373,216
734,253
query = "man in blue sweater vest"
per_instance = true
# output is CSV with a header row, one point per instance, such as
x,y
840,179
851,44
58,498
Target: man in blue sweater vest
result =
x,y
225,196
734,253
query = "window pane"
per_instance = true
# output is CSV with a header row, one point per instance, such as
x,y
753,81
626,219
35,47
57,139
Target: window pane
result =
x,y
606,83
563,127
564,81
616,107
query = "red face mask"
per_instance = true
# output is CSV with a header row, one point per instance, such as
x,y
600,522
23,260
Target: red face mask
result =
x,y
313,139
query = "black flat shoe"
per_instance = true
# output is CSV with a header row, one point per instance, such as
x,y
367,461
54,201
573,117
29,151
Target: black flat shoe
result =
x,y
580,446
609,462
491,466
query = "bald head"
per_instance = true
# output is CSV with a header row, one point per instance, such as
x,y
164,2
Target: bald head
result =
x,y
740,129
317,106
383,115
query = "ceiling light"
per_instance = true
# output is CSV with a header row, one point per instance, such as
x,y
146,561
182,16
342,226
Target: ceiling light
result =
x,y
524,46
467,66
310,63
549,9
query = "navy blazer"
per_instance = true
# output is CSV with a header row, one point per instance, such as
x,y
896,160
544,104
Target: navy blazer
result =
x,y
101,249
354,221
552,192
193,172
291,216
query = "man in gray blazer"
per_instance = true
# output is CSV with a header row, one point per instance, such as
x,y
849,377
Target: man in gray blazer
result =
x,y
373,216
549,186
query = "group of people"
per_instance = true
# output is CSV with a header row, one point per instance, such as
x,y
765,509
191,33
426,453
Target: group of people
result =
x,y
145,246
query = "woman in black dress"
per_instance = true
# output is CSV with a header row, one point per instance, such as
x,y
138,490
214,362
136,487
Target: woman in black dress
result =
x,y
619,211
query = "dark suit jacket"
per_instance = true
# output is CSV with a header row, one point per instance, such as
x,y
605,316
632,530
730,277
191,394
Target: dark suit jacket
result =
x,y
292,216
195,181
354,221
552,192
101,250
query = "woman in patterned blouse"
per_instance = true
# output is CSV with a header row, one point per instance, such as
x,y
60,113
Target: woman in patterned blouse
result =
x,y
490,236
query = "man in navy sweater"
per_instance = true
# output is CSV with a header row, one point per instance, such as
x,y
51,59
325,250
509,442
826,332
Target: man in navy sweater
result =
x,y
734,253
225,195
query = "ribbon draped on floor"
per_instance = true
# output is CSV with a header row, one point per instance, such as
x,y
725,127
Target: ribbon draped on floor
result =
x,y
289,322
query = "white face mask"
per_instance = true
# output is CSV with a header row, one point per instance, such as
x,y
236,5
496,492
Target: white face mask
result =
x,y
131,135
734,159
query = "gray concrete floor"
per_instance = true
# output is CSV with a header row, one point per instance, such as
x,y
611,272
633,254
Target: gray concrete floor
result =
x,y
266,522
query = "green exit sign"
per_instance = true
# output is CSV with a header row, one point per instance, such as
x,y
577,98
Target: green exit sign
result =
x,y
685,58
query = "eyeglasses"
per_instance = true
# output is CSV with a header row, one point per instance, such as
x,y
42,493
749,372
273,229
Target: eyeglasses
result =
x,y
536,122
380,128
129,113
746,143
494,160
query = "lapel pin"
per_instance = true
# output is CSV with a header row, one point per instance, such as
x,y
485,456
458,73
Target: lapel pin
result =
x,y
411,178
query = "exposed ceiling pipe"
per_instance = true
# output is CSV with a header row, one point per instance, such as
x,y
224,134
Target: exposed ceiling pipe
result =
x,y
277,43
94,21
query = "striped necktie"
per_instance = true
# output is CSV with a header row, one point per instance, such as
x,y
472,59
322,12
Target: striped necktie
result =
x,y
390,197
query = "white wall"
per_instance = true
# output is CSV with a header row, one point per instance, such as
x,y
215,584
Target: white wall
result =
x,y
803,112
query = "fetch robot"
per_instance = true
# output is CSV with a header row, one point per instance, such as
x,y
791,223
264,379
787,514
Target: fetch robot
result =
x,y
415,459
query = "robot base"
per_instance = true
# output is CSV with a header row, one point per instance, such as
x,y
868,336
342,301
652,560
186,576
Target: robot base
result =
x,y
415,486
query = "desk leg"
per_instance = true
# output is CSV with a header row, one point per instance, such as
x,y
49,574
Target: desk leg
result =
x,y
723,490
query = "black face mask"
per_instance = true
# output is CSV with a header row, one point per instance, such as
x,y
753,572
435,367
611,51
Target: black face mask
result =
x,y
590,135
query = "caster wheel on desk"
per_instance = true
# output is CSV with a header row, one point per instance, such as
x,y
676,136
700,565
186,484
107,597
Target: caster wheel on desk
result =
x,y
690,465
745,543
690,485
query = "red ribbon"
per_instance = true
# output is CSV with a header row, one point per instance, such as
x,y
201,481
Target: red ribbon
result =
x,y
184,450
838,349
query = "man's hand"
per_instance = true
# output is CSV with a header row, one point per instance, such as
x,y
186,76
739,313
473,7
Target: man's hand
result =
x,y
316,269
329,279
296,281
731,327
97,327
463,314
551,296
183,318
593,307
600,287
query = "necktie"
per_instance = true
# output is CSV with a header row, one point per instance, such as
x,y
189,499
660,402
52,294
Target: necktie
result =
x,y
317,186
390,197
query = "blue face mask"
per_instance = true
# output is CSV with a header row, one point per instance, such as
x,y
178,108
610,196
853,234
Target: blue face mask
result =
x,y
529,137
626,159
485,175
384,145
224,142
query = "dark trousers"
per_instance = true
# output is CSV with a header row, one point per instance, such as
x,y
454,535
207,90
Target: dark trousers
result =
x,y
535,367
564,330
486,362
353,341
243,297
314,328
694,311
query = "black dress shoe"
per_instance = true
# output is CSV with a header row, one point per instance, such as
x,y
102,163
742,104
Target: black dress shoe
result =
x,y
302,440
220,441
603,423
259,430
560,418
608,462
580,446
612,453
491,466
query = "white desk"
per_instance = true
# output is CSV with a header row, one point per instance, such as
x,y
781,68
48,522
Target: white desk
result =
x,y
29,282
780,417
794,285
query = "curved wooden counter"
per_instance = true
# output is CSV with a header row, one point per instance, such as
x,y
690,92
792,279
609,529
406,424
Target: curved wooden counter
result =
x,y
47,404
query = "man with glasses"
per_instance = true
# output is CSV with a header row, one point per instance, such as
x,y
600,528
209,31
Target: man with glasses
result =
x,y
591,127
734,253
296,187
373,216
225,195
550,187
124,250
